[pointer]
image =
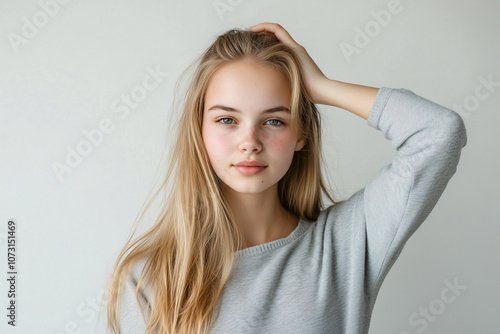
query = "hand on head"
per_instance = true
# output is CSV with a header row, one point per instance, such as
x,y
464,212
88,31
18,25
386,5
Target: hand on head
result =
x,y
312,75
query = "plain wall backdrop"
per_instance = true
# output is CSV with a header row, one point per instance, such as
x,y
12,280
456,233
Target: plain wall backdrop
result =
x,y
68,67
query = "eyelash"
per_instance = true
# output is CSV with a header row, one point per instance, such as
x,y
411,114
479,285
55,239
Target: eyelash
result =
x,y
282,123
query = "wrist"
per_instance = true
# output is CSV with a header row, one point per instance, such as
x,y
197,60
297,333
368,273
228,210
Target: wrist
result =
x,y
327,90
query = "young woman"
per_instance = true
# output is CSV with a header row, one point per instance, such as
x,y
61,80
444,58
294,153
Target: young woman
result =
x,y
244,243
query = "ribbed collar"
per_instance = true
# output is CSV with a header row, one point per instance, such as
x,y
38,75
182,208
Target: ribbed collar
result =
x,y
269,246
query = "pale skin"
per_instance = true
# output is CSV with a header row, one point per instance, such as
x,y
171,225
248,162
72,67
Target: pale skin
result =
x,y
252,135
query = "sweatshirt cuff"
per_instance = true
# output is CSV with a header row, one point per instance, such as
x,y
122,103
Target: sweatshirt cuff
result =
x,y
378,105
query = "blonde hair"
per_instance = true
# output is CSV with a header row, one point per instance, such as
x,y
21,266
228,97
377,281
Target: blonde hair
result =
x,y
189,250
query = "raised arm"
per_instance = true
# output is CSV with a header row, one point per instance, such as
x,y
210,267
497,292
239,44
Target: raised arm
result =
x,y
428,139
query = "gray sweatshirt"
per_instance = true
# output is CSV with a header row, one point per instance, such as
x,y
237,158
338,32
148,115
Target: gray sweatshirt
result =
x,y
325,276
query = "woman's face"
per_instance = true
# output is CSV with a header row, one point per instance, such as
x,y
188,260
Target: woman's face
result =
x,y
236,127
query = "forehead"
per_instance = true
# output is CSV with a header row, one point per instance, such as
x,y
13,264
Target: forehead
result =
x,y
248,82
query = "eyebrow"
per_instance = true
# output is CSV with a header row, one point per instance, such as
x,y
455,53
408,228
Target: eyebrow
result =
x,y
226,108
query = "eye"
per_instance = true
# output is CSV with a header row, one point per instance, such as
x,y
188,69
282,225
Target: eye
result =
x,y
220,119
271,120
277,120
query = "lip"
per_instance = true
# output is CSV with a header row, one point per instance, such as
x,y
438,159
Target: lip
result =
x,y
250,163
249,170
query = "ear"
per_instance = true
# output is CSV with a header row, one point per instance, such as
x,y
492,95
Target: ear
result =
x,y
300,144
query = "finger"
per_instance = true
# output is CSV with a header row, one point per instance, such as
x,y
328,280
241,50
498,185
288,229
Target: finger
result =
x,y
277,30
270,27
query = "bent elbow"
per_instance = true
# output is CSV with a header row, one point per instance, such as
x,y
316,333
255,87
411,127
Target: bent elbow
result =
x,y
456,133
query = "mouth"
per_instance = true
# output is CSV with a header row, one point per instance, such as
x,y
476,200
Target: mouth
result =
x,y
249,170
251,163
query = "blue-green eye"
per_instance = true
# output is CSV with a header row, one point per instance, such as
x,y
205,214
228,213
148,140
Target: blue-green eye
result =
x,y
220,119
277,120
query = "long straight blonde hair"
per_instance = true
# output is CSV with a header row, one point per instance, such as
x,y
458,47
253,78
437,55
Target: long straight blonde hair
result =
x,y
189,250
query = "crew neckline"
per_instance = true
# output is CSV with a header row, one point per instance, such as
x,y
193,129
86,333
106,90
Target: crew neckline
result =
x,y
268,246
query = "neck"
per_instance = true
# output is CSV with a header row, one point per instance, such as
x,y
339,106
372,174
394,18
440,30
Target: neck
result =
x,y
260,217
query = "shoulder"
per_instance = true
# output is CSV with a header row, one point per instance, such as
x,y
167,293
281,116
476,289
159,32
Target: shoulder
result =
x,y
132,281
130,309
132,305
137,269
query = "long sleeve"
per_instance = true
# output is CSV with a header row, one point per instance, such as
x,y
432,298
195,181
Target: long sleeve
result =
x,y
428,139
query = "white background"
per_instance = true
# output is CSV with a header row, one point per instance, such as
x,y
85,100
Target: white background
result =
x,y
62,77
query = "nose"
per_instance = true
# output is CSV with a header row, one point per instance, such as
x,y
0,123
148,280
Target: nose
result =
x,y
250,141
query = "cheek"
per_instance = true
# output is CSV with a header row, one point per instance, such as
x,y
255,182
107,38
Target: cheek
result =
x,y
216,144
283,144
